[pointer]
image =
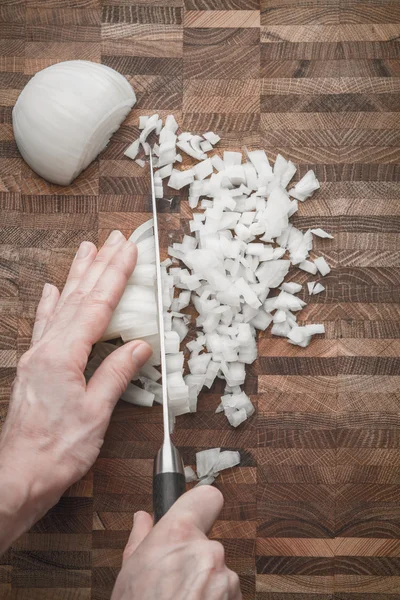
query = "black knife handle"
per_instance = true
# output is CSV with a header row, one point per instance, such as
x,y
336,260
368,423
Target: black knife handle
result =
x,y
167,488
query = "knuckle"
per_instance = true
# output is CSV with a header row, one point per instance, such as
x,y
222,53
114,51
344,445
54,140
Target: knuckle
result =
x,y
234,579
202,549
102,258
75,297
218,552
119,271
101,297
120,379
181,530
74,277
128,551
115,266
24,362
45,359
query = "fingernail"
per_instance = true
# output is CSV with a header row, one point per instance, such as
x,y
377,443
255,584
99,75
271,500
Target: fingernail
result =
x,y
83,250
46,290
141,354
114,237
134,518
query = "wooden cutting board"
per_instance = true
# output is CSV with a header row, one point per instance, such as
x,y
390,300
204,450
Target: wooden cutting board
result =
x,y
313,511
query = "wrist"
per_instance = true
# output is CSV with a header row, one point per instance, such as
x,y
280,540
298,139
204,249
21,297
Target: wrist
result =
x,y
24,499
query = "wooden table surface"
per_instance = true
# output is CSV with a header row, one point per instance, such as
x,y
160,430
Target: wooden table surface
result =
x,y
313,511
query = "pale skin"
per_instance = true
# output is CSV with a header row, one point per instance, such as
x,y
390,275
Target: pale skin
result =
x,y
56,424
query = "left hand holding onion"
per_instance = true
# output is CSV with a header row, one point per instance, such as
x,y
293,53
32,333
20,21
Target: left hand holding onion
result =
x,y
56,422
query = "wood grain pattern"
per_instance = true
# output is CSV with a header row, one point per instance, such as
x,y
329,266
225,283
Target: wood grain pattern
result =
x,y
313,511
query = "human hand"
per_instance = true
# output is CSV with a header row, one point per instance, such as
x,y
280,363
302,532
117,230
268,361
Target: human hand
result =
x,y
174,560
56,422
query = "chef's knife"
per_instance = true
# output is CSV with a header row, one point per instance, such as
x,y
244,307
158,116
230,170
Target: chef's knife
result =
x,y
168,474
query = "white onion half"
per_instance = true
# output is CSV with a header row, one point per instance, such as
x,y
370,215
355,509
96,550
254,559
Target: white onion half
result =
x,y
66,115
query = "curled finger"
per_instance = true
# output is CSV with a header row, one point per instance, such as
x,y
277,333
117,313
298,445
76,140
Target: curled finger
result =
x,y
83,260
95,311
72,302
112,246
45,311
142,525
192,517
115,372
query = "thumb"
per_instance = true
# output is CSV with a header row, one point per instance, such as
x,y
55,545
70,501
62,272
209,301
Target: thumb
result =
x,y
142,525
115,372
199,507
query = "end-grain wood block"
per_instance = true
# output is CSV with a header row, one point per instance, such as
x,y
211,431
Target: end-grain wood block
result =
x,y
312,511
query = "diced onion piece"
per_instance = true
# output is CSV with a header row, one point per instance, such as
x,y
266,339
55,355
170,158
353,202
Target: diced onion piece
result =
x,y
195,142
322,266
151,124
171,342
203,169
171,124
185,136
174,362
262,320
235,173
291,287
321,233
212,137
135,395
179,179
165,171
190,475
315,329
238,401
209,480
305,187
217,163
206,146
187,148
297,335
318,288
310,285
226,460
232,158
272,273
199,364
237,417
308,266
149,371
281,329
260,161
206,461
133,150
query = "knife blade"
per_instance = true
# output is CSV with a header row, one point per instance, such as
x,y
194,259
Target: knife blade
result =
x,y
168,473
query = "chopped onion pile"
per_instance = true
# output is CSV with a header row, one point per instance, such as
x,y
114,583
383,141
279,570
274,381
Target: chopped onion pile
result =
x,y
232,268
209,464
